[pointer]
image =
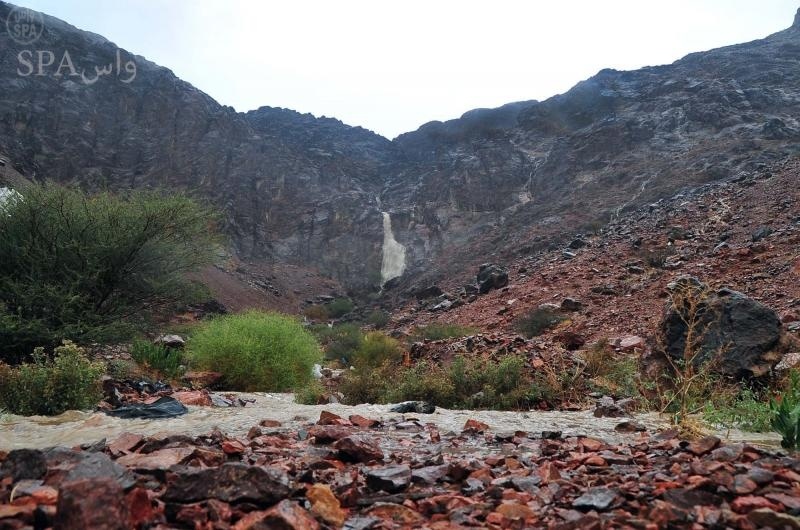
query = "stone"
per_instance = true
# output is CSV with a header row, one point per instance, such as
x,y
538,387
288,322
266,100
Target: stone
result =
x,y
631,343
760,233
230,482
743,330
358,448
598,498
124,444
418,407
630,427
329,418
91,466
491,276
571,304
768,518
286,515
193,397
325,434
390,479
92,503
396,513
704,445
474,427
23,464
171,341
365,423
325,505
206,379
432,291
429,475
160,459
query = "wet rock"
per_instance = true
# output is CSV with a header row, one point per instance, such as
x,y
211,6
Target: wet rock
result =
x,y
23,464
491,276
429,475
325,434
397,513
474,427
599,498
760,233
686,498
745,331
286,515
124,444
391,479
325,505
92,503
418,407
231,482
160,459
631,343
329,418
193,397
358,448
767,518
607,407
365,423
93,466
630,427
165,407
431,291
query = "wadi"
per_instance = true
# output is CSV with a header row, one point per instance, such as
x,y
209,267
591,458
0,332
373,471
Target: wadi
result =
x,y
579,312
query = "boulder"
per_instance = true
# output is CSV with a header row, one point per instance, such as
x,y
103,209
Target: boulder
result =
x,y
231,482
171,341
92,503
739,334
491,276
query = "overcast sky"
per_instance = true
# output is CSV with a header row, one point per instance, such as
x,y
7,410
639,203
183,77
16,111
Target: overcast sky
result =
x,y
391,66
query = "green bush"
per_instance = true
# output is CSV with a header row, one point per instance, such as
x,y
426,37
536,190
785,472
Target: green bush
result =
x,y
339,307
538,321
256,351
313,393
167,361
376,349
340,341
85,267
378,318
442,331
49,386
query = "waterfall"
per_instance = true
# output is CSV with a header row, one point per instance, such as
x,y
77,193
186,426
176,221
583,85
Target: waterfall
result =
x,y
394,254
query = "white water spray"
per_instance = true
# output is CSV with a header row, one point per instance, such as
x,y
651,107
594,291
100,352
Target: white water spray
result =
x,y
394,254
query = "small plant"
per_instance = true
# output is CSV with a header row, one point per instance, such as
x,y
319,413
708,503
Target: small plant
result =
x,y
256,351
611,373
312,393
786,414
745,409
49,386
442,331
316,312
377,349
655,257
538,321
339,307
167,361
378,319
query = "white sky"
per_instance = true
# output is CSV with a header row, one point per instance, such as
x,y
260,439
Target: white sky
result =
x,y
391,66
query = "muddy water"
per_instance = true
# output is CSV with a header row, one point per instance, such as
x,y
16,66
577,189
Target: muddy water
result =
x,y
74,428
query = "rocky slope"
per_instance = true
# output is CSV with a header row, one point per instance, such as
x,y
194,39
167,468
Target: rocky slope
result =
x,y
309,191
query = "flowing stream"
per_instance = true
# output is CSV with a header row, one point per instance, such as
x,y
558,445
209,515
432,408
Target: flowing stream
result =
x,y
75,428
394,254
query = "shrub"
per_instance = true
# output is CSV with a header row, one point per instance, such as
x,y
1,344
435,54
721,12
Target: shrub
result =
x,y
786,413
51,386
316,312
377,349
256,351
611,373
340,341
442,331
368,384
655,257
84,267
167,361
423,382
538,321
745,409
312,393
378,318
339,307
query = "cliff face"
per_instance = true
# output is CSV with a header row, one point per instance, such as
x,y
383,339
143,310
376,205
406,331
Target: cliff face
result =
x,y
305,190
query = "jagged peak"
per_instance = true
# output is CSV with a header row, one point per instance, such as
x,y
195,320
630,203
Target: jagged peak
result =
x,y
796,23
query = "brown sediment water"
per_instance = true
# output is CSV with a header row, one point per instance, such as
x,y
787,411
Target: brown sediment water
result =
x,y
74,428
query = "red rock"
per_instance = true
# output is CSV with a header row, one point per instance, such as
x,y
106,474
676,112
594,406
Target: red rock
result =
x,y
219,511
704,445
24,512
92,503
631,343
749,503
548,472
140,507
270,423
474,426
193,397
595,460
591,444
396,513
161,459
325,434
329,418
363,422
515,511
792,502
766,518
286,515
124,444
192,515
743,485
202,379
232,447
359,448
325,505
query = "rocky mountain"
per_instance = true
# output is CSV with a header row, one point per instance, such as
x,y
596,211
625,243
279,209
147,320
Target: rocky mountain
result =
x,y
309,191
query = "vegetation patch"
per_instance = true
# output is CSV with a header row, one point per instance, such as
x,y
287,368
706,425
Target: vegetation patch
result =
x,y
442,331
164,360
50,385
256,351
